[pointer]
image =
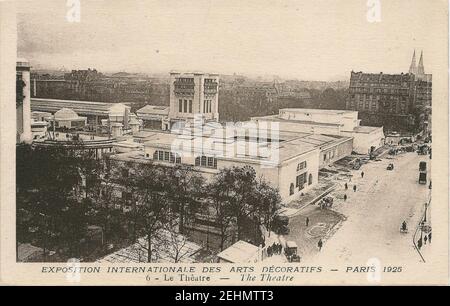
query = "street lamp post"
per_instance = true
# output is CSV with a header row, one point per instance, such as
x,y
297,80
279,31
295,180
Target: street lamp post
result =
x,y
425,217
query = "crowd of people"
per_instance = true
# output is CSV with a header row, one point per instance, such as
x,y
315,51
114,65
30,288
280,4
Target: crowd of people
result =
x,y
274,249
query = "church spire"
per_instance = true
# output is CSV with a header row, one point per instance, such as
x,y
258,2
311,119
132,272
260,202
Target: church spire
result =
x,y
420,68
412,67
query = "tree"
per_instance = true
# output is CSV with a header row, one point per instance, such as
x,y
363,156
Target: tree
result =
x,y
102,203
150,209
268,201
47,178
175,243
239,199
185,189
219,201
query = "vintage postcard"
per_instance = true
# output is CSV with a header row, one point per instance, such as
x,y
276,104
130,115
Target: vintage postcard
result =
x,y
207,142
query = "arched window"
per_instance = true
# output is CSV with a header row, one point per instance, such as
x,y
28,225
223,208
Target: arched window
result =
x,y
310,179
291,189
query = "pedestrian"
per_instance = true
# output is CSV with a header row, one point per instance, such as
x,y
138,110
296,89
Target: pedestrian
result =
x,y
429,238
320,244
425,239
345,197
362,174
307,221
419,243
354,188
346,186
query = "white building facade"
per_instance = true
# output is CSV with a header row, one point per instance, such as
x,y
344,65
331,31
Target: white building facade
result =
x,y
194,94
329,122
23,102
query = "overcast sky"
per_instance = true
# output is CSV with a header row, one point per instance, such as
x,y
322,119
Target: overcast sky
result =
x,y
314,40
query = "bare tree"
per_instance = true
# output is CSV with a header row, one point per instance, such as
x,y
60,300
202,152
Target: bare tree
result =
x,y
150,210
185,190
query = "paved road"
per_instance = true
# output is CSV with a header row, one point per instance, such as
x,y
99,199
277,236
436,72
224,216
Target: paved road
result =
x,y
375,212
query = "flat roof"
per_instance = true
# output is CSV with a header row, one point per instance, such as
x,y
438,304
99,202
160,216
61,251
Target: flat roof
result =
x,y
154,110
366,129
26,250
216,143
315,110
240,252
127,144
277,118
80,107
193,73
287,144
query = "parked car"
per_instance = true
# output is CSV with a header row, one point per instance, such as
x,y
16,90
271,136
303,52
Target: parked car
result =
x,y
422,178
422,166
291,248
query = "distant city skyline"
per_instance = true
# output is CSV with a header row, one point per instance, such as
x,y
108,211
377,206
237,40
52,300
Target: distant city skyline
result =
x,y
307,40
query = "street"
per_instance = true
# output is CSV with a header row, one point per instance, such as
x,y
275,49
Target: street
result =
x,y
382,201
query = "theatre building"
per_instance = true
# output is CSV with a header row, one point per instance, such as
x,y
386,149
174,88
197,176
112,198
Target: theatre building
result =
x,y
329,123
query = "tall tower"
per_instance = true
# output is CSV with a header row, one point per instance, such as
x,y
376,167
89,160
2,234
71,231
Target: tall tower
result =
x,y
193,94
412,67
23,101
420,68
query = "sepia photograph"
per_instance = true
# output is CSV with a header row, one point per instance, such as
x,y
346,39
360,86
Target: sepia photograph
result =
x,y
224,142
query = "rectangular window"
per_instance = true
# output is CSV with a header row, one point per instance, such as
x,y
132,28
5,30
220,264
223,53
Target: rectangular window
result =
x,y
210,161
172,157
197,161
180,106
190,106
301,180
160,155
178,160
185,106
203,163
166,156
301,166
204,106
